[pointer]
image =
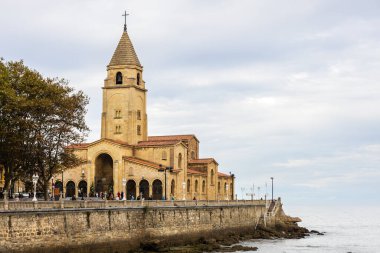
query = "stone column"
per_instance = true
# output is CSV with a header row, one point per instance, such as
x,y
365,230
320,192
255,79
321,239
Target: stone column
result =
x,y
115,178
90,178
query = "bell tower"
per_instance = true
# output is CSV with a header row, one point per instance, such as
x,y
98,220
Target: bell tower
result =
x,y
124,115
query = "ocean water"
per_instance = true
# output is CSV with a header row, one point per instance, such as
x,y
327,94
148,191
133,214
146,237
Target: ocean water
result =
x,y
348,229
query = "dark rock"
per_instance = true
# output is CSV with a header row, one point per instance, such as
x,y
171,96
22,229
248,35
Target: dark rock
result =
x,y
150,245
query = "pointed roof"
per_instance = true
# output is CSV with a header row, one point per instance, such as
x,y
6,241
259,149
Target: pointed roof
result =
x,y
125,53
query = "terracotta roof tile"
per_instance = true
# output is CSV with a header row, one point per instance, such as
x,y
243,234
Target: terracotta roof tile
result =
x,y
172,137
203,160
220,174
141,162
190,171
78,146
158,143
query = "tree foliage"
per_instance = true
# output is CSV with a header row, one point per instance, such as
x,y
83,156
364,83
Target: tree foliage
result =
x,y
39,117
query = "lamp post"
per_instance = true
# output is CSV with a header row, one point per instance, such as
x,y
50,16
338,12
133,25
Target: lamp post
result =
x,y
272,187
184,190
35,180
164,169
242,192
124,182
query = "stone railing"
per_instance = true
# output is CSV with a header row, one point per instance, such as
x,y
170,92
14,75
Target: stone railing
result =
x,y
77,204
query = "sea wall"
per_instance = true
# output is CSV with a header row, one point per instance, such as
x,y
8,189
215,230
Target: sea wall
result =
x,y
26,229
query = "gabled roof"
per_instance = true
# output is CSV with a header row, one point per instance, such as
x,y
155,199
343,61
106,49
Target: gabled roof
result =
x,y
78,146
220,174
125,53
203,160
141,162
182,137
86,145
190,171
157,143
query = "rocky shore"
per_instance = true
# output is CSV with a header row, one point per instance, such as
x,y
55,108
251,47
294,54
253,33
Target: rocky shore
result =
x,y
228,241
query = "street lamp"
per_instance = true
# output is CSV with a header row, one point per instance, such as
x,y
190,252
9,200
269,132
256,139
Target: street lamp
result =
x,y
124,181
164,169
272,187
242,192
35,180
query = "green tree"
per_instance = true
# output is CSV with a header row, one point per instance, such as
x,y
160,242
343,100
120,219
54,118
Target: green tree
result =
x,y
40,117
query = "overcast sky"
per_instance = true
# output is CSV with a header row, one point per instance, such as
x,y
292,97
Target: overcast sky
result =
x,y
289,89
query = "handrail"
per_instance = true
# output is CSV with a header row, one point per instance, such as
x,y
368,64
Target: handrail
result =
x,y
98,203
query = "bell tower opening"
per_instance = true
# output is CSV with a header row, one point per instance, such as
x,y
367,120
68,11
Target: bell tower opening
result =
x,y
119,78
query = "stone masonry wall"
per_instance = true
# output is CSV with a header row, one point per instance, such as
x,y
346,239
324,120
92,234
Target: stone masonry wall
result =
x,y
21,230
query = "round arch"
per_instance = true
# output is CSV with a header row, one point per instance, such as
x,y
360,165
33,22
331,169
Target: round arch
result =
x,y
82,187
104,173
70,189
131,189
157,189
144,188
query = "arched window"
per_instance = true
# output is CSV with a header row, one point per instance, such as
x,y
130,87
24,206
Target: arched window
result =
x,y
196,186
179,160
138,79
172,188
219,187
212,177
225,188
130,171
192,155
203,186
188,185
164,155
119,78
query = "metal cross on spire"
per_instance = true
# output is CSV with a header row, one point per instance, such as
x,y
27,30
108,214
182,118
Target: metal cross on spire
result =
x,y
125,20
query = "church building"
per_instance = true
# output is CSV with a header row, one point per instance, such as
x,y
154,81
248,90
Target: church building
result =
x,y
126,159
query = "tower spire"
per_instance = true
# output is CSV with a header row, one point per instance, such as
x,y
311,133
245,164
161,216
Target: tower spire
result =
x,y
125,20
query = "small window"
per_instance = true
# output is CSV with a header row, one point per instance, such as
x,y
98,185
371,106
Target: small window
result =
x,y
179,160
203,186
138,79
219,187
192,155
130,171
138,115
164,155
188,185
139,130
118,130
117,114
119,78
225,188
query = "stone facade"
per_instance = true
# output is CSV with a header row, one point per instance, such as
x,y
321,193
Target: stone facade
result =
x,y
21,230
126,154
